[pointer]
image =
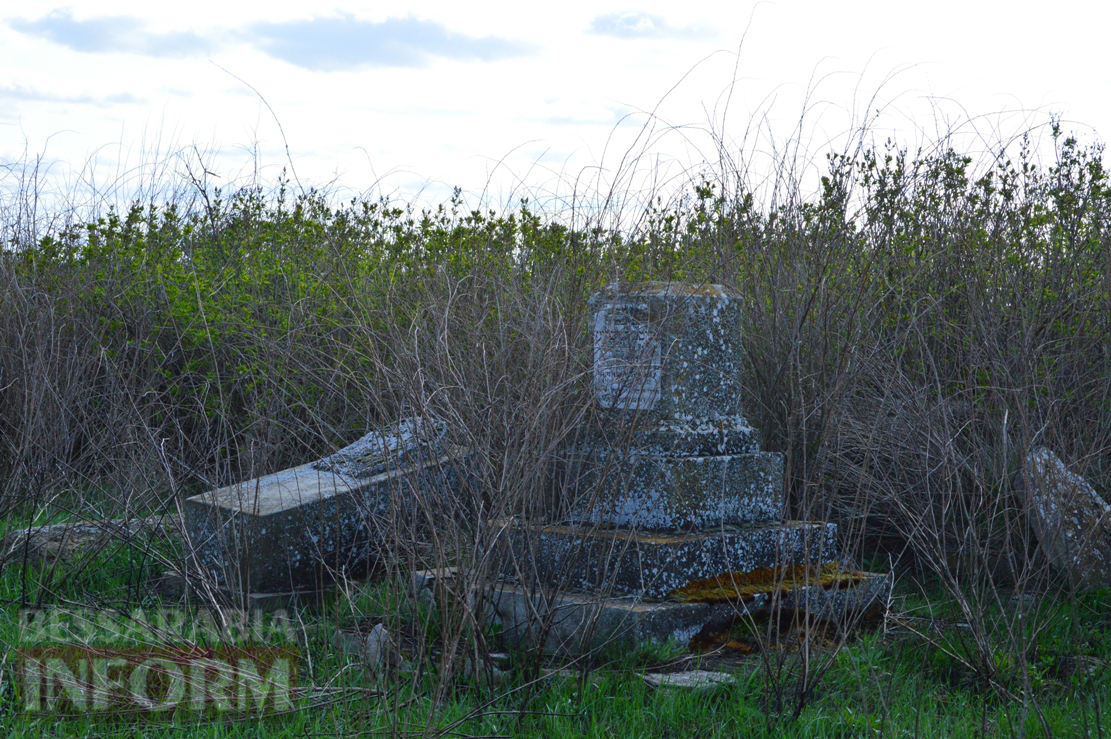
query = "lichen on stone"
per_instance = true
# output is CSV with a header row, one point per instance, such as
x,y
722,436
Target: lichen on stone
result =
x,y
745,586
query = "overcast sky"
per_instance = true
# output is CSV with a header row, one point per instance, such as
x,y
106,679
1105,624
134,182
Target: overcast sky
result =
x,y
517,98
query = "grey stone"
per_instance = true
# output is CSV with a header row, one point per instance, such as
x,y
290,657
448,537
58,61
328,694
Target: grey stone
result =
x,y
1072,522
577,623
689,680
375,649
652,564
677,493
686,437
201,590
669,349
413,441
422,579
484,672
65,542
302,527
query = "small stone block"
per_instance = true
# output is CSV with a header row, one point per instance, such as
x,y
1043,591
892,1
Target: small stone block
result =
x,y
651,565
675,437
689,680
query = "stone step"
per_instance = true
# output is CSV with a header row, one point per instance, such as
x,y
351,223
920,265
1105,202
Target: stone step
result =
x,y
647,491
577,623
651,565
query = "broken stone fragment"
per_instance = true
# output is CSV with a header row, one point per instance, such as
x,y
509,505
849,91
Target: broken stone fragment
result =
x,y
412,441
66,542
1072,522
375,650
689,680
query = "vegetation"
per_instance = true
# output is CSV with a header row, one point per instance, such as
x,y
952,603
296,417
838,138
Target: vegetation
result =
x,y
913,329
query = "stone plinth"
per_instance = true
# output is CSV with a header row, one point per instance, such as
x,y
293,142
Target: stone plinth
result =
x,y
651,565
298,528
667,349
672,493
577,623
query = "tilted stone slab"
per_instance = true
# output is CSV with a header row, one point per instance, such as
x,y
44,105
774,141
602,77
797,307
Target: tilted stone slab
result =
x,y
296,529
651,565
664,493
667,349
1072,522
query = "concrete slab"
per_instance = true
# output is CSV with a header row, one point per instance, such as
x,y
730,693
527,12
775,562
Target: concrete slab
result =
x,y
297,529
651,565
577,623
644,491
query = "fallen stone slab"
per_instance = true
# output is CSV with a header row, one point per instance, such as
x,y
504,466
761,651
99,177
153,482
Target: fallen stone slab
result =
x,y
1072,522
689,680
201,590
64,542
303,527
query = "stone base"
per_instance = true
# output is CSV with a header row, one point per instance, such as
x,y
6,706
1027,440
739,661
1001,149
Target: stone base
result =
x,y
651,565
577,623
667,493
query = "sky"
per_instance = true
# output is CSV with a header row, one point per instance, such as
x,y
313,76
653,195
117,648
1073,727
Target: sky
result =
x,y
511,100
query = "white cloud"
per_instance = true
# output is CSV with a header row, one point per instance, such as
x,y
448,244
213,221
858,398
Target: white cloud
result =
x,y
111,34
345,42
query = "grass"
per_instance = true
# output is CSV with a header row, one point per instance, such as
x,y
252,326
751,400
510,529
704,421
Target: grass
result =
x,y
907,677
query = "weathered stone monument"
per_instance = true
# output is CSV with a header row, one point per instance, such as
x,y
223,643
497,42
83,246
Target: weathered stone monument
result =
x,y
669,488
298,530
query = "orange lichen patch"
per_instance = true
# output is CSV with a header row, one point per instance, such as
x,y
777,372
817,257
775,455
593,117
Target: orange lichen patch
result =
x,y
744,586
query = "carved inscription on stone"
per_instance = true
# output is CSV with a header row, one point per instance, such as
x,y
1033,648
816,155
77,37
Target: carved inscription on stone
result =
x,y
627,356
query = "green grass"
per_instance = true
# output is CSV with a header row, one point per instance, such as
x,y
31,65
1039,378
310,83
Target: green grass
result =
x,y
880,684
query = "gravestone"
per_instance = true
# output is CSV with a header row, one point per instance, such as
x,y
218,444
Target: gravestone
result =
x,y
669,488
301,528
674,451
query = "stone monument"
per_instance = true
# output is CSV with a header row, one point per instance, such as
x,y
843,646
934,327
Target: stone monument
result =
x,y
670,486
